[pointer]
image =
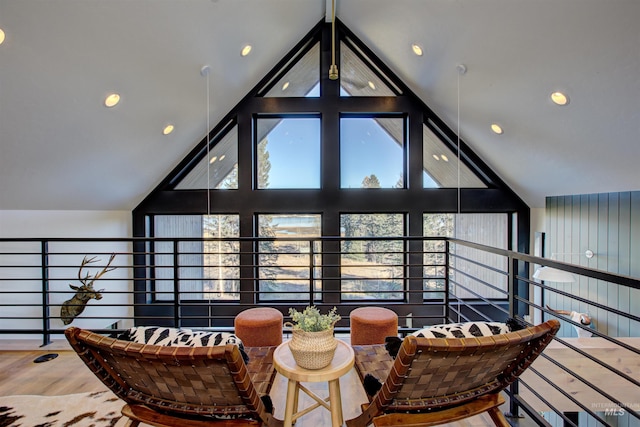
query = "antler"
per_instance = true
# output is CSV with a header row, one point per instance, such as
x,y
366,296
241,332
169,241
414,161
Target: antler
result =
x,y
91,260
85,261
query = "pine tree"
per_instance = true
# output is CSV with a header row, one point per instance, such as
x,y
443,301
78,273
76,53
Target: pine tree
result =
x,y
370,181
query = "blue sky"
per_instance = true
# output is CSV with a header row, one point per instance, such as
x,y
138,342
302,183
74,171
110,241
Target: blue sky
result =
x,y
367,149
294,152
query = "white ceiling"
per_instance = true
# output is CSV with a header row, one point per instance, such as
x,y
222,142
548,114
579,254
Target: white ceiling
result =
x,y
61,149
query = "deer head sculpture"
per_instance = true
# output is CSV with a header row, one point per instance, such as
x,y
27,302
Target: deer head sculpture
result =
x,y
73,307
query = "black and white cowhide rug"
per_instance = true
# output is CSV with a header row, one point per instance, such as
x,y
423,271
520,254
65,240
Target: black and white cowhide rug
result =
x,y
100,409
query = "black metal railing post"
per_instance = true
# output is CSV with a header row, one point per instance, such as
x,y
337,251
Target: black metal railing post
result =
x,y
312,278
512,285
44,265
176,284
447,283
475,286
514,389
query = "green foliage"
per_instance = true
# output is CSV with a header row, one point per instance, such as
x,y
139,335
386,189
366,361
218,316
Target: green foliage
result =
x,y
370,181
230,182
310,319
264,164
373,225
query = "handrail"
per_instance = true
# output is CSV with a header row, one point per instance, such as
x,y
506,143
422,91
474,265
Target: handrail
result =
x,y
151,286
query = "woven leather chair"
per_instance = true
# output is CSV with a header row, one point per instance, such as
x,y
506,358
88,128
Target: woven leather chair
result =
x,y
439,380
181,386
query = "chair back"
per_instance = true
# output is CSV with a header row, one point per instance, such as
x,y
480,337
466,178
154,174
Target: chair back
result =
x,y
195,381
431,373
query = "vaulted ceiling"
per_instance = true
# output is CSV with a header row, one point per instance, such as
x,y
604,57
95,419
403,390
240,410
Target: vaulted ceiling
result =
x,y
62,149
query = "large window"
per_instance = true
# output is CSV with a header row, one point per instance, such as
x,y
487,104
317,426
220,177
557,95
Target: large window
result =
x,y
221,258
471,267
360,163
372,269
288,153
289,267
372,153
434,256
205,270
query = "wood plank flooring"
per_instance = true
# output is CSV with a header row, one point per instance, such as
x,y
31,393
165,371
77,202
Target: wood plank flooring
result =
x,y
66,374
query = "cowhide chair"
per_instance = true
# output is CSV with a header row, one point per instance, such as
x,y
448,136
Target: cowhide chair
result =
x,y
435,381
182,386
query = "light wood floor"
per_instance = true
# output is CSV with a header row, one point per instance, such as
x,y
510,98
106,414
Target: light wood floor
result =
x,y
66,374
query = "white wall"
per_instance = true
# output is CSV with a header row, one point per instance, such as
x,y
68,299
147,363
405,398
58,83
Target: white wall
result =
x,y
22,224
538,223
65,260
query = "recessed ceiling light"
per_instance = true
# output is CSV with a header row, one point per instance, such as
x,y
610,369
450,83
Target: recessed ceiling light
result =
x,y
1,36
416,49
496,128
559,98
435,156
112,100
222,157
443,157
285,85
167,129
246,50
213,159
372,85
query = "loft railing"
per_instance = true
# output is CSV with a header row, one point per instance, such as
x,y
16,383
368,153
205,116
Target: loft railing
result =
x,y
204,283
589,374
191,282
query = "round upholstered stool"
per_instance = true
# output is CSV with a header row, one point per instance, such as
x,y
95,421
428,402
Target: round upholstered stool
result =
x,y
371,325
259,327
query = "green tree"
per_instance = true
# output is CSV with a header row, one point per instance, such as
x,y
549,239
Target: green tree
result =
x,y
230,181
370,181
360,225
264,164
367,224
268,254
221,257
373,225
437,225
399,182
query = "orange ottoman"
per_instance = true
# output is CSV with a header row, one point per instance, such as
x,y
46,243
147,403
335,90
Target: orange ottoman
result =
x,y
259,327
371,325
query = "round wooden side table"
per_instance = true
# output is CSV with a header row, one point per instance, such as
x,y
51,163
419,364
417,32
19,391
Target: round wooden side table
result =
x,y
286,365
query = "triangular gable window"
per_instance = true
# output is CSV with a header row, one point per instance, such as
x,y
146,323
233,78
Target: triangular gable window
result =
x,y
221,164
360,77
441,165
366,94
301,78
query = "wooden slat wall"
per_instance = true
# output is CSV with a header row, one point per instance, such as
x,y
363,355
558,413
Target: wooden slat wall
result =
x,y
191,260
490,230
609,225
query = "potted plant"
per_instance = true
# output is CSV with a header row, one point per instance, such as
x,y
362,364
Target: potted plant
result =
x,y
312,344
